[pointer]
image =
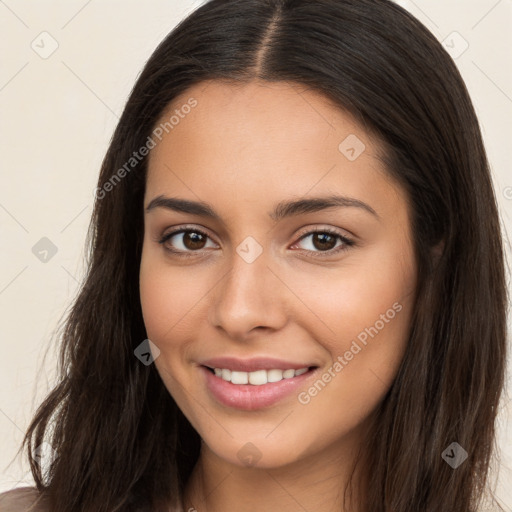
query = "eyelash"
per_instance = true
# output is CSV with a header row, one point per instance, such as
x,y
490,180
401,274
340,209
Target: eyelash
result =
x,y
319,254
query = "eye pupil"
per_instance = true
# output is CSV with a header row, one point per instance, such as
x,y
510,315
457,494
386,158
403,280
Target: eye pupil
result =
x,y
326,241
193,240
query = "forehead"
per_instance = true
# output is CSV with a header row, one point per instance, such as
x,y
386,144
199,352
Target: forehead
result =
x,y
282,114
259,141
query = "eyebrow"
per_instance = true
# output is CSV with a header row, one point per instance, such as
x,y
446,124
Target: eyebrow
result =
x,y
281,210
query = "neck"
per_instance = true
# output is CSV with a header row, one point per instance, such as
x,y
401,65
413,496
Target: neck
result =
x,y
315,482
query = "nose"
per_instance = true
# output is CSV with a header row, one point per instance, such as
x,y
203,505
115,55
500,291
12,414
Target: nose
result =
x,y
250,297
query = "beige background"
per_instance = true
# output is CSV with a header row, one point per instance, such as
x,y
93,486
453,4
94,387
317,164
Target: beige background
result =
x,y
57,116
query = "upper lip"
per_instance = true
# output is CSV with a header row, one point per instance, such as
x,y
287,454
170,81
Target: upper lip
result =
x,y
253,364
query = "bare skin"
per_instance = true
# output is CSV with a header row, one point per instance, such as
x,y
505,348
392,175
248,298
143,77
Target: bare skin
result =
x,y
242,150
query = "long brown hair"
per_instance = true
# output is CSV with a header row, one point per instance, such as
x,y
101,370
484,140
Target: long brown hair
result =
x,y
122,443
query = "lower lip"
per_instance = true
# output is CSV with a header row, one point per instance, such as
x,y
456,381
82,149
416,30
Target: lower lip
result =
x,y
249,397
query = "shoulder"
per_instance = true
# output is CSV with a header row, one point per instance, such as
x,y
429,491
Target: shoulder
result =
x,y
22,499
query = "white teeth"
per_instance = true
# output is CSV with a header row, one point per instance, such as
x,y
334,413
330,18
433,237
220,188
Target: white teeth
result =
x,y
258,377
274,375
239,377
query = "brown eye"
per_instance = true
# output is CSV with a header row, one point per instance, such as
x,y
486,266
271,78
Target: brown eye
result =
x,y
185,241
193,240
324,241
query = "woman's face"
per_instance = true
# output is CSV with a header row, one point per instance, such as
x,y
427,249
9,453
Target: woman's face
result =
x,y
265,270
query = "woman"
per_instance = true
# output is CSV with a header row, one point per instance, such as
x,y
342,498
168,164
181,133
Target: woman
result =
x,y
295,297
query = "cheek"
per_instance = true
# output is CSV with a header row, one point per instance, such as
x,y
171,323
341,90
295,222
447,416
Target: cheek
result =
x,y
167,299
362,318
373,325
168,295
365,292
158,305
371,301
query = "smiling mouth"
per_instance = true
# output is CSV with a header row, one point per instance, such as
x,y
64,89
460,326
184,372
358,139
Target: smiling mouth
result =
x,y
258,377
